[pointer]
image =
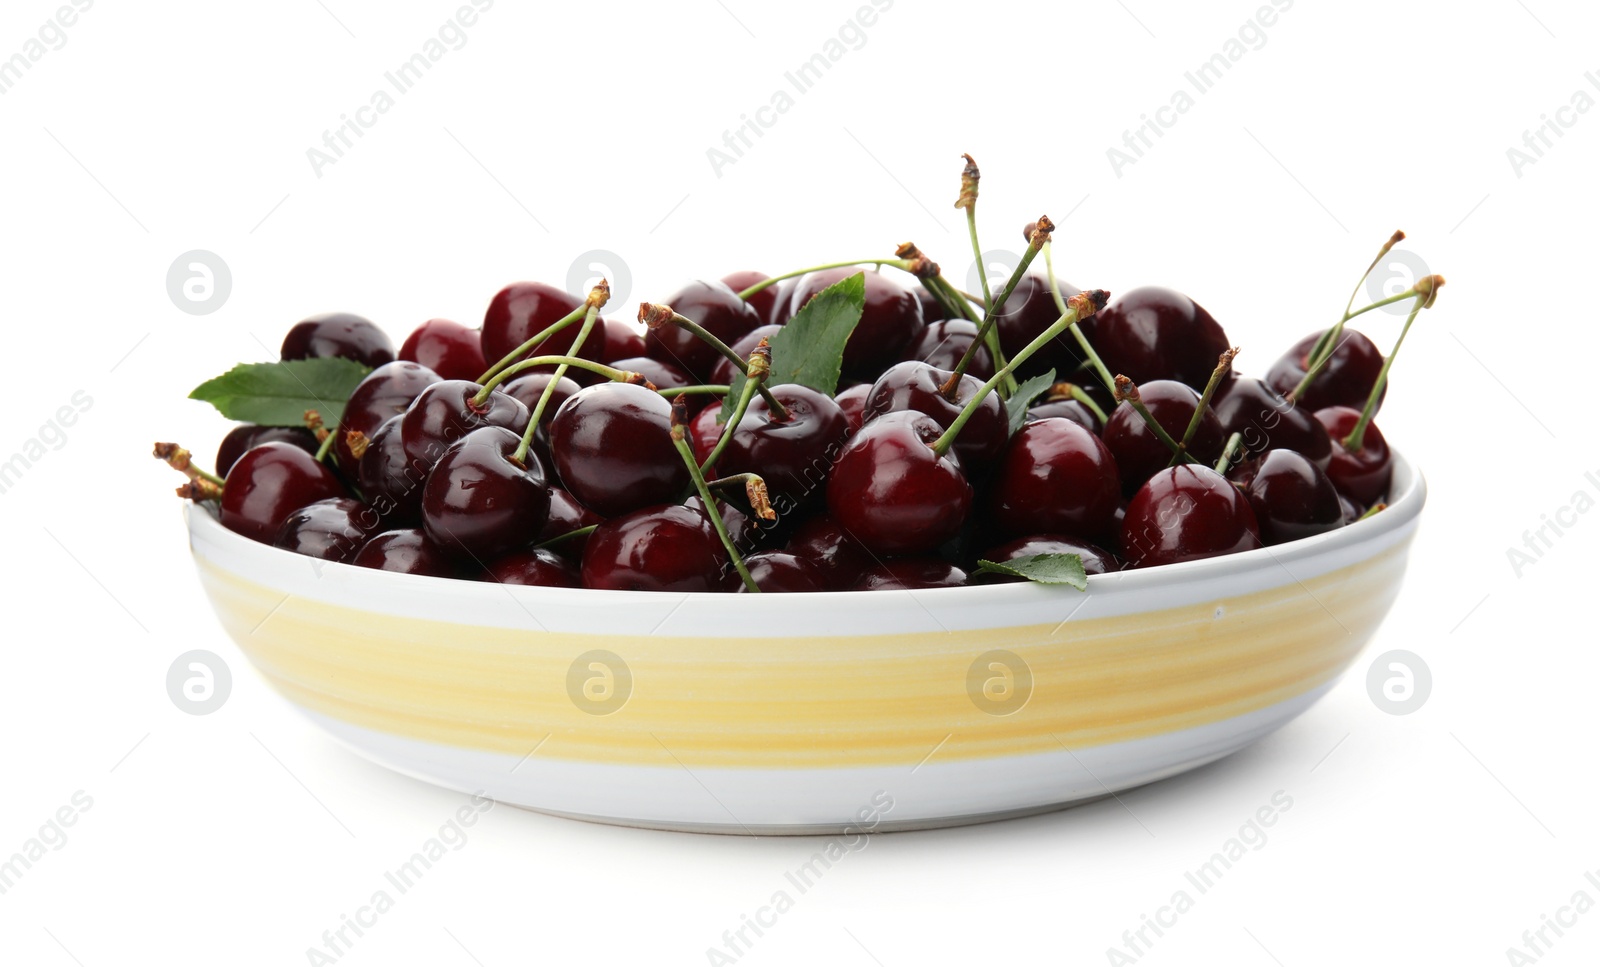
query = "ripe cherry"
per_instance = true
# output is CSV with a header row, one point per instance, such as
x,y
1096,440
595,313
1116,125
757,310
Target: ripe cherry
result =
x,y
538,567
932,309
793,455
1065,409
566,516
891,317
1346,380
406,551
763,302
917,387
1187,513
480,501
893,493
662,374
612,447
447,411
333,529
521,311
623,340
705,431
247,435
527,390
942,344
385,392
1292,497
1055,477
1363,475
1030,311
268,483
723,372
852,402
448,348
1140,453
339,334
1151,333
718,310
1096,559
823,541
910,574
783,572
390,478
669,547
1265,420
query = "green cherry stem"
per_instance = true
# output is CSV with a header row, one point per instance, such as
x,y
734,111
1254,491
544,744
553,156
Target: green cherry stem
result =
x,y
1322,350
1380,505
655,316
1224,364
569,535
901,264
1083,341
680,418
1225,462
968,199
573,362
1428,291
755,379
701,389
521,454
1129,393
535,340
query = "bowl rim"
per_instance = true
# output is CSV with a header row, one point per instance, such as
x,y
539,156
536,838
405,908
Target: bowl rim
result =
x,y
1398,514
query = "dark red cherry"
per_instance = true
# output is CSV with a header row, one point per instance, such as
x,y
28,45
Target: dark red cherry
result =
x,y
746,533
1096,559
893,493
780,314
793,455
1291,496
932,309
841,557
391,479
853,401
705,431
386,392
612,447
247,435
521,311
916,387
1140,453
479,501
527,390
338,334
333,529
446,412
405,551
942,344
566,516
1027,314
1151,333
762,302
718,310
268,483
781,572
1185,514
664,548
448,348
1352,510
723,372
1265,420
663,374
1065,409
623,340
538,567
1056,477
1346,380
892,316
1362,475
911,574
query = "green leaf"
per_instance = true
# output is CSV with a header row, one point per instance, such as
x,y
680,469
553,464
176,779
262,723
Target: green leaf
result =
x,y
1042,569
809,349
278,394
1017,405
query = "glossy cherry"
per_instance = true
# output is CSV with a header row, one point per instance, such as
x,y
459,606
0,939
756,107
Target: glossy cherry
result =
x,y
448,348
1346,380
853,401
893,493
1056,477
521,311
1151,333
941,344
1065,409
527,390
821,540
1096,559
662,374
268,483
891,317
1362,475
763,302
247,435
446,412
1265,420
391,479
705,431
1140,453
723,372
793,455
916,387
538,567
385,392
783,572
1291,496
612,447
333,529
910,574
1030,311
1187,513
566,516
339,334
480,501
668,547
623,340
718,310
932,309
405,551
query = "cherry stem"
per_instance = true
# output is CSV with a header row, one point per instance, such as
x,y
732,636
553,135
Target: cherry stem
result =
x,y
968,199
324,446
1425,300
1075,392
680,417
1081,306
1129,393
1037,239
1225,462
902,264
754,488
701,389
535,340
755,377
1083,341
1322,350
1224,364
569,535
574,362
182,461
521,454
655,316
1380,505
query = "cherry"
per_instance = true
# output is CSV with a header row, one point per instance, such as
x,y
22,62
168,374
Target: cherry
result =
x,y
942,344
1265,420
824,542
1065,409
247,435
1352,510
1056,477
891,317
623,341
911,573
932,309
669,547
1030,311
783,572
705,431
566,516
538,567
1291,496
893,493
338,334
1096,559
1362,475
390,478
385,392
445,413
663,375
746,533
1140,453
780,313
521,311
448,348
1187,513
718,310
527,390
792,455
479,501
268,483
612,447
724,371
852,402
763,302
1151,333
918,387
1346,379
333,529
406,551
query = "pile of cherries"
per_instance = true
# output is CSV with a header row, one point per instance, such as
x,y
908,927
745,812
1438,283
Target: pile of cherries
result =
x,y
557,447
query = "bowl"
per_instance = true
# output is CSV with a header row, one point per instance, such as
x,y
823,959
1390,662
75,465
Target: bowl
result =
x,y
814,713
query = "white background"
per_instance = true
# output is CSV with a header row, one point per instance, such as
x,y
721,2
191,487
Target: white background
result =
x,y
239,837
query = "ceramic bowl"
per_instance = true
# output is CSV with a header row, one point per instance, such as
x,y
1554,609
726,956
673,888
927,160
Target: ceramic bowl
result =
x,y
810,713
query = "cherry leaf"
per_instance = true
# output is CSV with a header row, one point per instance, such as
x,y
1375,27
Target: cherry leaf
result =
x,y
278,394
1042,569
809,349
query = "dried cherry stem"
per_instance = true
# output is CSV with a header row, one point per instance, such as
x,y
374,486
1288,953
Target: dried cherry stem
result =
x,y
1037,239
1081,306
593,313
754,488
901,264
701,389
574,362
755,379
1083,341
1224,364
680,419
654,316
1225,462
1073,391
569,535
1427,292
1129,393
968,199
325,439
202,485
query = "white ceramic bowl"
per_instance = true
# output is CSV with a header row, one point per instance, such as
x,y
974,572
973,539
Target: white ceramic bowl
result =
x,y
810,713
